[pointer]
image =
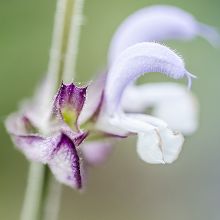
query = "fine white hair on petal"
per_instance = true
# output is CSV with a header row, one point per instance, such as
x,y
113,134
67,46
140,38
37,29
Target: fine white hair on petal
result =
x,y
134,62
171,102
159,23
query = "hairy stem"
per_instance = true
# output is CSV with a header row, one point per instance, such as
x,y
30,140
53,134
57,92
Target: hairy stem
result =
x,y
42,197
52,200
54,71
73,41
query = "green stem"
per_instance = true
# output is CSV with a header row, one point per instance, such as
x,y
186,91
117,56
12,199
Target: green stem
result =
x,y
42,197
36,186
73,41
33,197
43,194
53,78
52,200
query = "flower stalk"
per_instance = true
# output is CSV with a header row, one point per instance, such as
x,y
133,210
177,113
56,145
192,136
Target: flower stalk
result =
x,y
51,204
73,42
56,52
34,191
43,193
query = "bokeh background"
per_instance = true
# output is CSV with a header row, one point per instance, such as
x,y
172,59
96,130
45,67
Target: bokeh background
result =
x,y
125,187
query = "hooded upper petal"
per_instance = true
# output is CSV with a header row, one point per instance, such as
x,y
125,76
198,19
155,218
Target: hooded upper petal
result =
x,y
157,143
158,23
68,103
171,102
137,60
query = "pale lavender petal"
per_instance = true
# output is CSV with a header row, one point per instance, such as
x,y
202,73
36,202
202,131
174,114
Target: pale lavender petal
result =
x,y
66,163
159,23
34,146
68,103
137,60
96,152
20,124
171,102
210,33
38,108
94,98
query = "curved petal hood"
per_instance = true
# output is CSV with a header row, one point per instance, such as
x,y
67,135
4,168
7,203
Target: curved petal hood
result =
x,y
159,23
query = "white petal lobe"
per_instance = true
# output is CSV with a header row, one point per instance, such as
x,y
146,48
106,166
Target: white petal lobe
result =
x,y
157,144
171,102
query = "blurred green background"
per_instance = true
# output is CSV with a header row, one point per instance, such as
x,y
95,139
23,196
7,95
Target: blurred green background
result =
x,y
125,187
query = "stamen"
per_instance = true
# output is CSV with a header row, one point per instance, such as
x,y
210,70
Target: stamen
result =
x,y
211,34
189,77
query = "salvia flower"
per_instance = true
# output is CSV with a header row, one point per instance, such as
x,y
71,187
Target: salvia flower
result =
x,y
77,130
76,116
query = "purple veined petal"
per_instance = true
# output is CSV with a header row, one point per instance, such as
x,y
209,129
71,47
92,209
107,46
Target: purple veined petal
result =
x,y
159,23
171,102
137,60
96,152
76,137
66,163
157,143
34,146
68,103
19,124
94,99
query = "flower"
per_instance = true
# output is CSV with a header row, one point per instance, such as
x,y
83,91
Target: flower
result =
x,y
158,23
94,113
77,129
157,143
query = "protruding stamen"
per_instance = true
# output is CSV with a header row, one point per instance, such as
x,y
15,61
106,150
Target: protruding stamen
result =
x,y
190,76
210,33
